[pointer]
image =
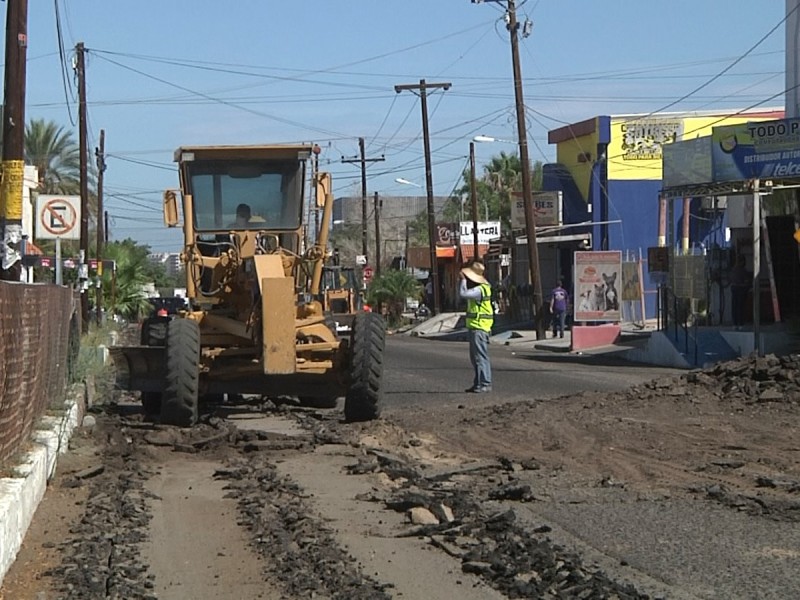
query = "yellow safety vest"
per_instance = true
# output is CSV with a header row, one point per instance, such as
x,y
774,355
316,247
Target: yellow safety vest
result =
x,y
480,313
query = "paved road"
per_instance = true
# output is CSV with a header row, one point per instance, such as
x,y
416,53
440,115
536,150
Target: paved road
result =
x,y
420,370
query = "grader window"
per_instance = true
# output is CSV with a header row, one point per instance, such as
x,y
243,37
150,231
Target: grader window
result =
x,y
250,195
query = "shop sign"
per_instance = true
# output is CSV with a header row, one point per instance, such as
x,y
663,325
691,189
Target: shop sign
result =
x,y
547,209
487,231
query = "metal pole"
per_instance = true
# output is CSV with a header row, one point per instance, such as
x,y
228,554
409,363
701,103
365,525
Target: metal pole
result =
x,y
757,269
474,198
377,209
100,155
13,166
530,220
59,266
363,198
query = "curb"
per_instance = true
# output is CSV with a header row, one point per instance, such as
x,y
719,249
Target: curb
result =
x,y
20,496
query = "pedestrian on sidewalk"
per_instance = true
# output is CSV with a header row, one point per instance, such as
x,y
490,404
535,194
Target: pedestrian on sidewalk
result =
x,y
559,301
477,291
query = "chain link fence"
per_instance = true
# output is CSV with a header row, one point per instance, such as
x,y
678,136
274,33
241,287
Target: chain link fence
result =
x,y
39,340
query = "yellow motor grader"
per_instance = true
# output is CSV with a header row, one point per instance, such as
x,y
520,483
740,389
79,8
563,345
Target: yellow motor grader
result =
x,y
255,321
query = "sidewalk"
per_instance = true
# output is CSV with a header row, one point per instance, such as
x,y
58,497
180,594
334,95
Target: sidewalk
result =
x,y
450,327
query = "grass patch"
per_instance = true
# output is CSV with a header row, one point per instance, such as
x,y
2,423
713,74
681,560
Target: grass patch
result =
x,y
89,365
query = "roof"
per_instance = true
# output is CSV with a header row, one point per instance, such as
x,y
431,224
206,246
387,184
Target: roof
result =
x,y
467,251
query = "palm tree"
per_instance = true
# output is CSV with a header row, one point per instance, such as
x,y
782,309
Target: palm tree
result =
x,y
392,288
56,154
501,177
133,271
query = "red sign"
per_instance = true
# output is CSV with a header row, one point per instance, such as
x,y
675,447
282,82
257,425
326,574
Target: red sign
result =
x,y
367,273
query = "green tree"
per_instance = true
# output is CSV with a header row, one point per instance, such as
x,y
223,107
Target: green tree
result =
x,y
392,288
56,154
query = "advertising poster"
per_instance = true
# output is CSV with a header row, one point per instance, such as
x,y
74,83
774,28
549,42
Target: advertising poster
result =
x,y
597,283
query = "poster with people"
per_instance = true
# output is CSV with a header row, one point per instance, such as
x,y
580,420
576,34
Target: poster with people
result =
x,y
597,282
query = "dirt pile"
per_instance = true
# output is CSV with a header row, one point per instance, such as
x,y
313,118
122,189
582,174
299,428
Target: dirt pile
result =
x,y
746,380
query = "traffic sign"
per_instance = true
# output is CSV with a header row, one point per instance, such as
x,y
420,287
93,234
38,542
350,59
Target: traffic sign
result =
x,y
368,274
57,217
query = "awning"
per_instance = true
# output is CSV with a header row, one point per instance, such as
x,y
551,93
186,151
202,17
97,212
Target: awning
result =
x,y
419,257
467,253
32,249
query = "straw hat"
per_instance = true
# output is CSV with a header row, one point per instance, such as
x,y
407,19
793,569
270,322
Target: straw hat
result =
x,y
474,272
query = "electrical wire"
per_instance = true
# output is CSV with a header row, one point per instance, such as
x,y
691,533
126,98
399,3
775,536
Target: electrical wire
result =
x,y
69,95
726,69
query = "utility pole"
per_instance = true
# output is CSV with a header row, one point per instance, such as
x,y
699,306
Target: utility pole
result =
x,y
13,139
423,88
363,160
474,200
377,210
530,219
100,157
84,182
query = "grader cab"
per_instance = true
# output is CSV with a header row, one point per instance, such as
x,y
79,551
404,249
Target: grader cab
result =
x,y
255,321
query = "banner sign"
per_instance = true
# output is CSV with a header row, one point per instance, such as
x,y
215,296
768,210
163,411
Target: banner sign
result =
x,y
487,231
765,149
597,277
547,209
687,162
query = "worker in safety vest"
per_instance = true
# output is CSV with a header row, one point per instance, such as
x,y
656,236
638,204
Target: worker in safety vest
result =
x,y
477,291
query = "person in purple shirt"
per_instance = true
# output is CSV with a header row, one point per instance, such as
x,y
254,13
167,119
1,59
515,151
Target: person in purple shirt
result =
x,y
559,301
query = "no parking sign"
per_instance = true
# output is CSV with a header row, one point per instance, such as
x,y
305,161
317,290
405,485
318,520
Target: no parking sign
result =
x,y
58,217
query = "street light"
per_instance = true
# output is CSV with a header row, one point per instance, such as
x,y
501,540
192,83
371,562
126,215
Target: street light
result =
x,y
488,139
406,182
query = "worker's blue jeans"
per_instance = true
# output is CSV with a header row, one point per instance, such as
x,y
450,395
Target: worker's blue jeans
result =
x,y
479,357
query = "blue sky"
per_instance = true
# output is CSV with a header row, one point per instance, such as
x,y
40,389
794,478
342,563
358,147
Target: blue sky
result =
x,y
165,74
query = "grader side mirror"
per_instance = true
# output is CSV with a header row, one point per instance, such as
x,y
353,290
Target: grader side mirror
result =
x,y
170,209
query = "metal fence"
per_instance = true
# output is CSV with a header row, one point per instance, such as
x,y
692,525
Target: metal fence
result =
x,y
39,337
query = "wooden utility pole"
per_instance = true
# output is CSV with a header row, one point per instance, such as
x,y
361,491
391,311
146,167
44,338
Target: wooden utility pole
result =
x,y
13,139
100,156
527,196
84,182
363,160
423,88
473,195
377,210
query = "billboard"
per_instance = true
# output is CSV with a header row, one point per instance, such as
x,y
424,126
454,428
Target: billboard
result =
x,y
638,143
687,163
766,149
547,209
597,276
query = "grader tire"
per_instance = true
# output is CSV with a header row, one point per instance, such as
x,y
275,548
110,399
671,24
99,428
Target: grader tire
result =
x,y
154,331
180,398
365,394
151,403
318,402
